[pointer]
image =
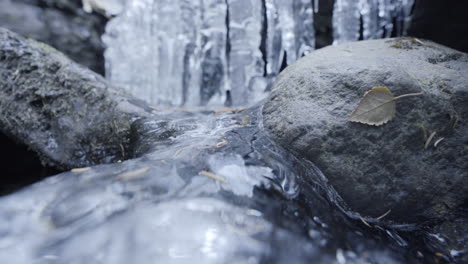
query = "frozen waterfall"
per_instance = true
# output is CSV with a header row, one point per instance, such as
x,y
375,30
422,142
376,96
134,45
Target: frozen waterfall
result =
x,y
226,52
192,52
369,19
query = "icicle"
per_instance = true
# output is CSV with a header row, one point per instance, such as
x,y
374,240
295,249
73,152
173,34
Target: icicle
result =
x,y
290,31
191,52
345,21
274,50
213,68
304,32
246,63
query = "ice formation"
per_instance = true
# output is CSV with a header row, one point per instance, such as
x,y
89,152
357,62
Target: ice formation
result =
x,y
369,19
212,52
190,53
107,7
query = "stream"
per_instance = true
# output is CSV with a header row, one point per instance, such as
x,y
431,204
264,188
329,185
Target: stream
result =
x,y
211,188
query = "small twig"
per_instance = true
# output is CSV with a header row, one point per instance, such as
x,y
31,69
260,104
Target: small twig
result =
x,y
221,144
178,152
424,132
406,95
418,41
131,175
384,215
79,170
429,139
438,141
365,222
123,151
212,176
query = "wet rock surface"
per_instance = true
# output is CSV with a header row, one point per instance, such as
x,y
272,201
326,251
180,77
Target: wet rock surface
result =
x,y
66,113
62,24
390,167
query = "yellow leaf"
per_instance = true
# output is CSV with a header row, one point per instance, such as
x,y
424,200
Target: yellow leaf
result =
x,y
377,107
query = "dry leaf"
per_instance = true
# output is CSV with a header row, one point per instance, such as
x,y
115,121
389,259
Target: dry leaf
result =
x,y
377,107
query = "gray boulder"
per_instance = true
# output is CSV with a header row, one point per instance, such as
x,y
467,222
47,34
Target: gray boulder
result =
x,y
376,169
66,113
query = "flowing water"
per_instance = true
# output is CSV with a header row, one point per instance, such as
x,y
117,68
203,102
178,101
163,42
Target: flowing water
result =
x,y
202,188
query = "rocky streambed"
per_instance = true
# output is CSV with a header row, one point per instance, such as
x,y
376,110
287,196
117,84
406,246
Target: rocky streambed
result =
x,y
144,184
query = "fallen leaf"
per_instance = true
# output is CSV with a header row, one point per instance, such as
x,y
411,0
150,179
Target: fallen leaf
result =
x,y
377,107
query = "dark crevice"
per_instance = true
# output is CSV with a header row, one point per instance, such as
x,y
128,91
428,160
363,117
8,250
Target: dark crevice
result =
x,y
396,30
264,35
284,63
186,74
323,23
361,28
413,7
228,39
20,166
384,30
228,101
